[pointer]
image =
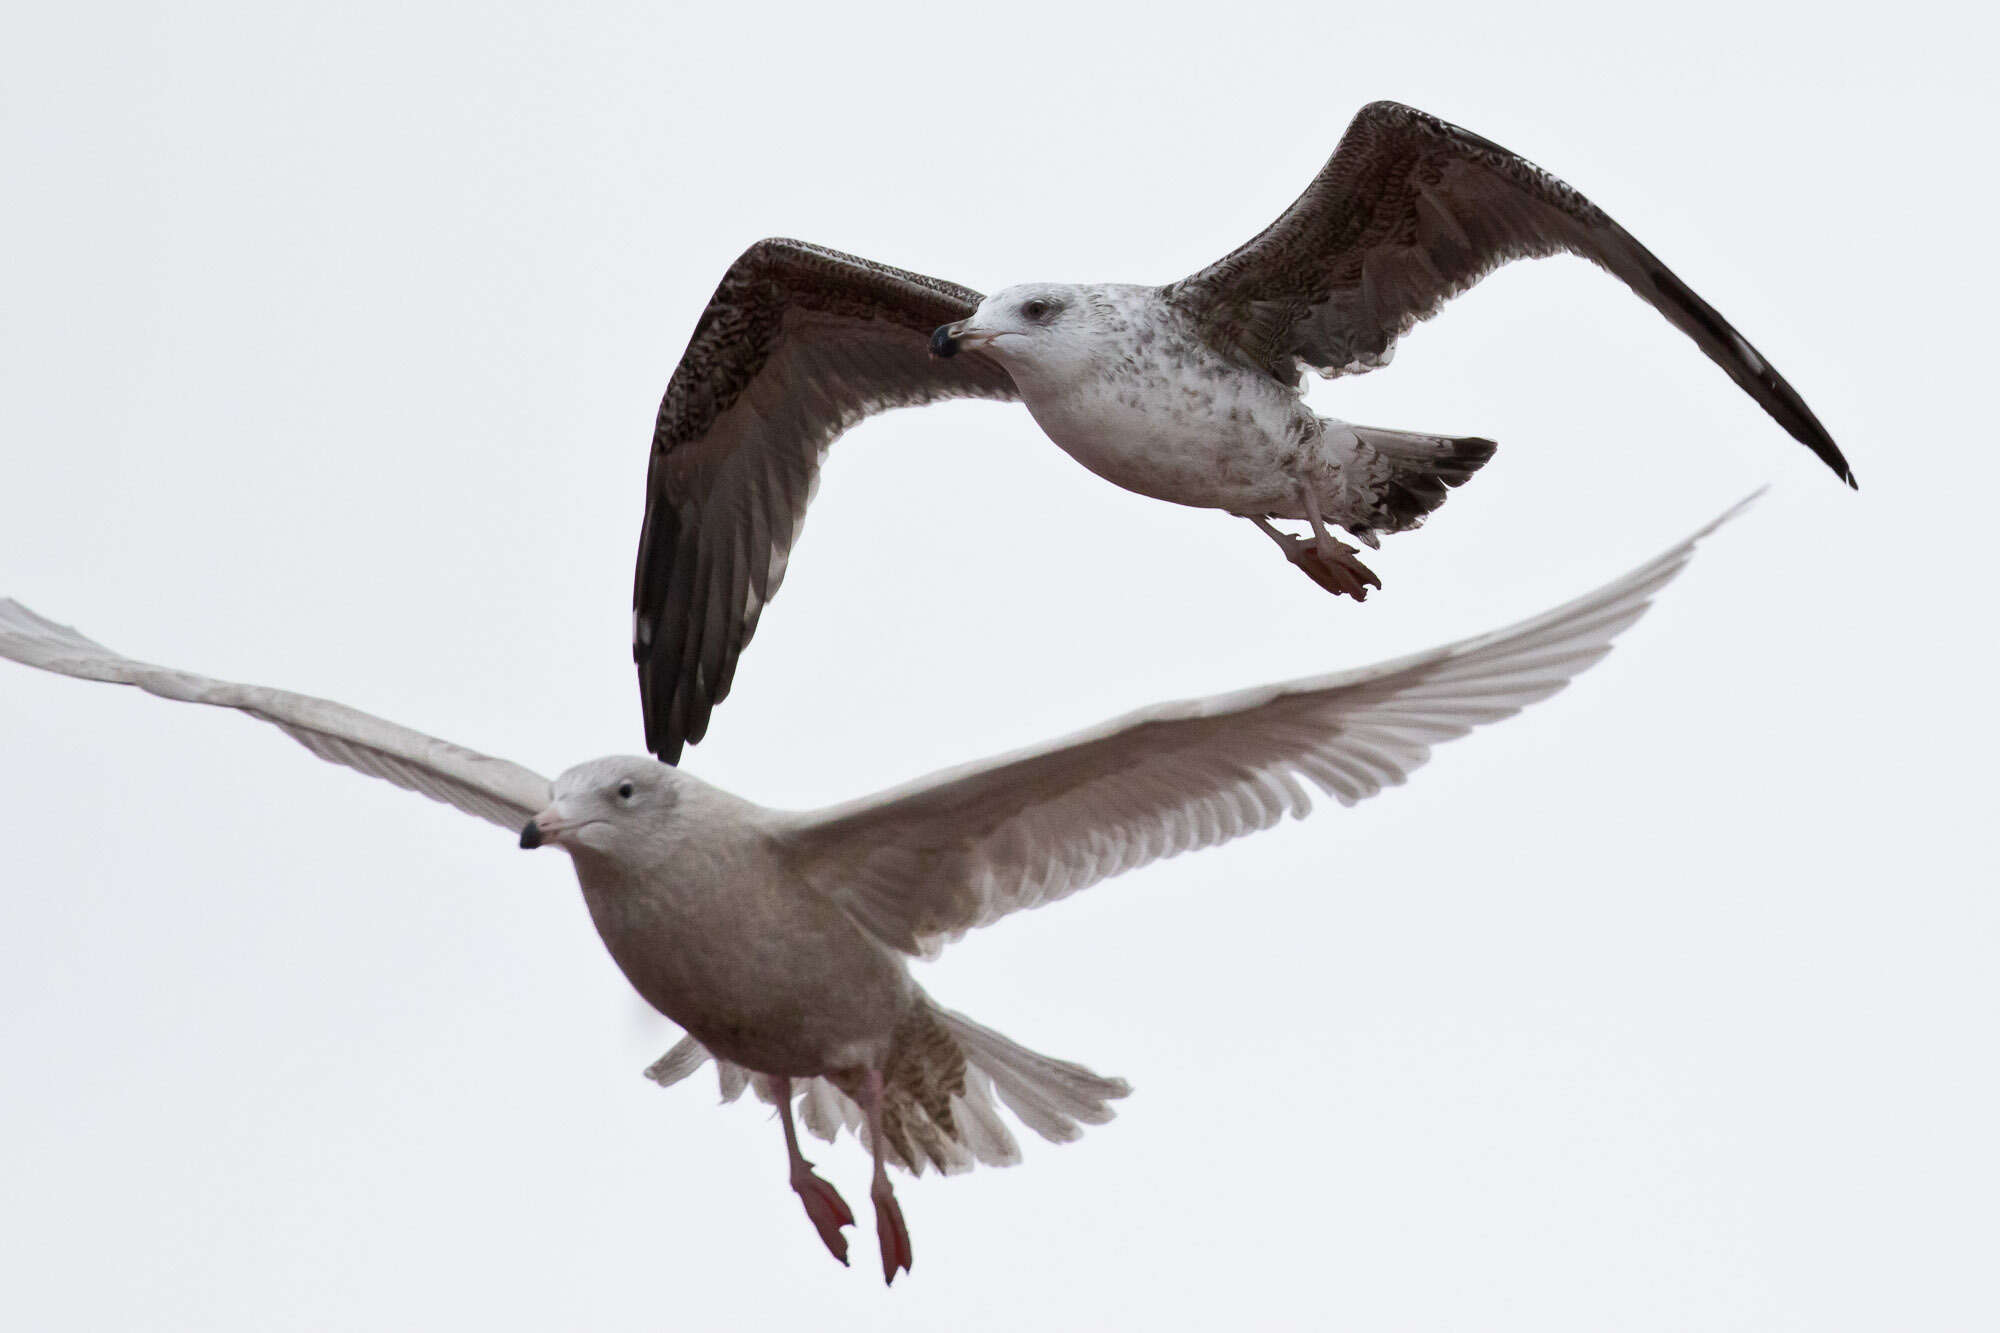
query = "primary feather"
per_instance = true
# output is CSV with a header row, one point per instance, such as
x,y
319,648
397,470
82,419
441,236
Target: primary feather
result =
x,y
924,863
493,789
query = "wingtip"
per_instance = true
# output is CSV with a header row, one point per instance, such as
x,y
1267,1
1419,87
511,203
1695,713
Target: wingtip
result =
x,y
1814,437
666,748
1726,515
29,630
664,733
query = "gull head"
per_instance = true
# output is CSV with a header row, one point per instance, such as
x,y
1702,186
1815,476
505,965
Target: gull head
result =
x,y
1039,325
607,805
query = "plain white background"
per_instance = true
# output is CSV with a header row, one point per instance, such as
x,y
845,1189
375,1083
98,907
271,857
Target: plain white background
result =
x,y
332,343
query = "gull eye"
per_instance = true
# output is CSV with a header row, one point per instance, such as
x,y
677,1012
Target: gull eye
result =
x,y
624,791
1036,309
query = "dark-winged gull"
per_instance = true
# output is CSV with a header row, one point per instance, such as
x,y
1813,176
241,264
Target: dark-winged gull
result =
x,y
1188,392
781,940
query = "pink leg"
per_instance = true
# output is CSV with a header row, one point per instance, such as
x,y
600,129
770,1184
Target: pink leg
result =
x,y
828,1211
893,1236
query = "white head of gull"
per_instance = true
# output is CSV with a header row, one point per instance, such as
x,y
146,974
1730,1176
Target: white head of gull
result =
x,y
781,940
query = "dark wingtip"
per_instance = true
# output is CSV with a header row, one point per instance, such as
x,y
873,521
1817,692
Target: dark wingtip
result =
x,y
660,738
1788,409
667,748
1829,453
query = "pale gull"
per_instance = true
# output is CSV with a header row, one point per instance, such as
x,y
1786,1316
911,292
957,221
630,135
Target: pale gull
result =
x,y
780,941
1188,392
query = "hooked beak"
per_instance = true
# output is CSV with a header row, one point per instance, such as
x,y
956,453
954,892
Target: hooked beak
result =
x,y
951,339
548,826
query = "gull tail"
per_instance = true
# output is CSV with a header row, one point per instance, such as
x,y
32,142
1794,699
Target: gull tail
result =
x,y
1397,477
1055,1098
946,1079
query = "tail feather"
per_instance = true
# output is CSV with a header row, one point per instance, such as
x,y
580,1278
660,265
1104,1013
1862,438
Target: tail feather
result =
x,y
979,1124
1405,475
825,1112
1052,1097
950,1128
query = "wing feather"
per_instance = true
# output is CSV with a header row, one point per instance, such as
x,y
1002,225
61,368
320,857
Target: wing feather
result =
x,y
797,345
1410,211
493,789
926,862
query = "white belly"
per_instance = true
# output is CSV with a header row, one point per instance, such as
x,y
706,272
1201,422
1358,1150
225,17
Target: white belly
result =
x,y
1230,442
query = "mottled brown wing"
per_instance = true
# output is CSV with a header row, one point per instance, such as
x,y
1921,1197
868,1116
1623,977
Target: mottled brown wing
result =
x,y
1409,212
798,344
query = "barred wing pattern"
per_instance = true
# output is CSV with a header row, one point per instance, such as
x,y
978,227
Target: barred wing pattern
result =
x,y
493,789
1409,212
921,865
798,344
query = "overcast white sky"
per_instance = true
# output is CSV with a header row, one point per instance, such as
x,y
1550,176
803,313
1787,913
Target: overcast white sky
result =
x,y
333,341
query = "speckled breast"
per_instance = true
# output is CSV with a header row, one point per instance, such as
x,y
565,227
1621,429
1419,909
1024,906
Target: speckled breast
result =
x,y
1207,435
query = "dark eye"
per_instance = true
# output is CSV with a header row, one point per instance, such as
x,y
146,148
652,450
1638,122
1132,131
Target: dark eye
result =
x,y
624,791
1036,309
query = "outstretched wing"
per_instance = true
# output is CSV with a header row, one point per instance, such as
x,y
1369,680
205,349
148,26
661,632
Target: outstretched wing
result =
x,y
493,789
925,863
798,344
1409,212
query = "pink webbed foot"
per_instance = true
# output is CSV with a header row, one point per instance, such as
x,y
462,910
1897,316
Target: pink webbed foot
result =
x,y
892,1234
1332,565
824,1206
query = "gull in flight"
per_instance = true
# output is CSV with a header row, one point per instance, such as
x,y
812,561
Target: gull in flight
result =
x,y
1189,392
780,941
